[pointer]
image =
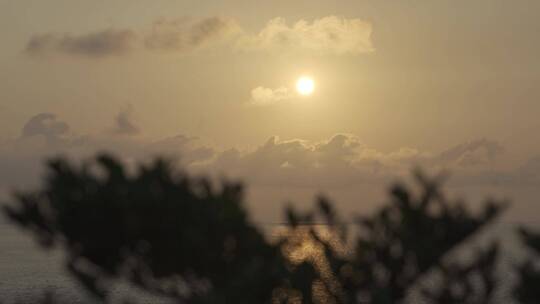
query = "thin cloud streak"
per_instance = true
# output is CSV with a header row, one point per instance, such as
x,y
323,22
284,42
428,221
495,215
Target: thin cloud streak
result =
x,y
182,35
92,45
261,96
326,35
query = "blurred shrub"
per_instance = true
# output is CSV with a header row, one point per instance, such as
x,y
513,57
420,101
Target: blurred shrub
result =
x,y
183,237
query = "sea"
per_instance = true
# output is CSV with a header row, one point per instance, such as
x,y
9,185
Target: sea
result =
x,y
27,271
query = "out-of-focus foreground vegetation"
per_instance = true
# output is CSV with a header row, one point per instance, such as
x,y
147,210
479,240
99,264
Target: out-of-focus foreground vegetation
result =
x,y
193,241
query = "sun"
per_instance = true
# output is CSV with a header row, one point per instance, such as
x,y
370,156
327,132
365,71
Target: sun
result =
x,y
305,85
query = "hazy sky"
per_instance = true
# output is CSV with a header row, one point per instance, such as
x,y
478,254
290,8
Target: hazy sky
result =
x,y
443,84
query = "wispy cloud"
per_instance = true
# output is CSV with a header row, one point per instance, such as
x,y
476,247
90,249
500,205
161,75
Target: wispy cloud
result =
x,y
98,44
328,35
124,124
261,96
46,125
472,153
182,35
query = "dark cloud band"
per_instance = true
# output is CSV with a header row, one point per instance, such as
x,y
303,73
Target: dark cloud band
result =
x,y
98,44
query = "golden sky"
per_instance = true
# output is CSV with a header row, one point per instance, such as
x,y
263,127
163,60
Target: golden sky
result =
x,y
442,84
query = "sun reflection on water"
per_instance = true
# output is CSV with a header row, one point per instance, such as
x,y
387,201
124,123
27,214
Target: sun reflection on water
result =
x,y
302,246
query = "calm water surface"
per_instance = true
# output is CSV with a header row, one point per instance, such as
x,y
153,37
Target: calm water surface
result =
x,y
26,271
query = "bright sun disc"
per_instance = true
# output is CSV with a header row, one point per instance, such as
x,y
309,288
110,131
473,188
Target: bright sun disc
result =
x,y
305,86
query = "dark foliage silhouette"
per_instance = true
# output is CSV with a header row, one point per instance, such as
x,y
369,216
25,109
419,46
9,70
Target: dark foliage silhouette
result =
x,y
527,290
185,238
474,282
400,243
158,228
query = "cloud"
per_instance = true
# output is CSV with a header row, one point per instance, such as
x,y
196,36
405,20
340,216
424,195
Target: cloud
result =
x,y
472,153
340,148
195,150
261,96
44,136
329,34
336,161
343,161
183,35
342,165
339,161
94,45
46,125
125,125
